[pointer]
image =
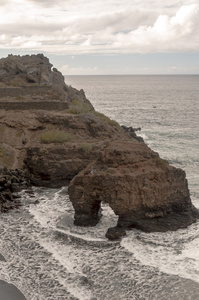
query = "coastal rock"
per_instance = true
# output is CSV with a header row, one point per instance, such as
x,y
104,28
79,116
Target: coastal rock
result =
x,y
115,233
132,132
141,188
12,182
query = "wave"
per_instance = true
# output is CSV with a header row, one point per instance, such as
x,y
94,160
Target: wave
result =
x,y
174,253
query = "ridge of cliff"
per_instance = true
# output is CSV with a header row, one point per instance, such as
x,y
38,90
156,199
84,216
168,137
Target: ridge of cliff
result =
x,y
33,78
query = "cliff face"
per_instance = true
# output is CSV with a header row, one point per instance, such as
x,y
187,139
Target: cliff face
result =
x,y
53,131
54,146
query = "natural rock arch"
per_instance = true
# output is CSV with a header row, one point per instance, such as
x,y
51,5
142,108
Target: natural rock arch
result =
x,y
141,188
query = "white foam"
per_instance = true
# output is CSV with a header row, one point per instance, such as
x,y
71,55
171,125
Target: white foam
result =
x,y
143,135
65,254
55,212
174,253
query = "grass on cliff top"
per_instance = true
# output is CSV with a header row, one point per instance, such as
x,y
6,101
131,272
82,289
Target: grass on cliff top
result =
x,y
87,148
55,136
78,107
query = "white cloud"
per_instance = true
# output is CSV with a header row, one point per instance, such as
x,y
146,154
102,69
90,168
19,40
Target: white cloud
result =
x,y
85,26
66,70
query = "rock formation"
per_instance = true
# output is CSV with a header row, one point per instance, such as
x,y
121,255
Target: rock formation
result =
x,y
141,188
61,138
33,75
11,182
24,70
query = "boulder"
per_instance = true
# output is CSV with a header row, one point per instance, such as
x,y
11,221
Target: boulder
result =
x,y
115,233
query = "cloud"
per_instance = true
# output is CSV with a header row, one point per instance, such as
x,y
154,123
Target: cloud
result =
x,y
77,27
66,70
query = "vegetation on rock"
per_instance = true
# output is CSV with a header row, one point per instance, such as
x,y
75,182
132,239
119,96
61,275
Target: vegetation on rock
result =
x,y
87,147
55,136
106,119
77,107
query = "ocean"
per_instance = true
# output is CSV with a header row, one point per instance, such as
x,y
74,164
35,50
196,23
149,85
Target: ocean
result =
x,y
47,260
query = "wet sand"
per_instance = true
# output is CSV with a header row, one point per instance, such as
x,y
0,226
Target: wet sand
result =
x,y
9,291
2,258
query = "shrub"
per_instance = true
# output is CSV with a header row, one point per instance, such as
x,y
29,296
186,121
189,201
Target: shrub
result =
x,y
55,137
19,98
87,148
162,163
106,119
77,107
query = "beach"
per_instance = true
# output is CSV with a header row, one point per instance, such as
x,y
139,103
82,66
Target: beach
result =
x,y
9,291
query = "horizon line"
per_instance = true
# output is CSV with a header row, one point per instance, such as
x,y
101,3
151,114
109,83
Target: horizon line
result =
x,y
131,74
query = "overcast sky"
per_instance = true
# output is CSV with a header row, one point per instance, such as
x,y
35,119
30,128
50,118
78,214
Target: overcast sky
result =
x,y
105,36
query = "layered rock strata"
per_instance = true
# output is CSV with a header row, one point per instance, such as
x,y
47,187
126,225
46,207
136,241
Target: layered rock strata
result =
x,y
53,146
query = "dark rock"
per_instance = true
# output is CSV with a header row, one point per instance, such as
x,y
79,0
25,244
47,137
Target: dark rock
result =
x,y
16,188
12,182
131,131
30,192
115,233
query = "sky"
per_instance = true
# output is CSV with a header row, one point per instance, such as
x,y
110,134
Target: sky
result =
x,y
111,37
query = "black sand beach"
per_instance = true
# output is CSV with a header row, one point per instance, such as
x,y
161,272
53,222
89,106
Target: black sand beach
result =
x,y
2,258
9,291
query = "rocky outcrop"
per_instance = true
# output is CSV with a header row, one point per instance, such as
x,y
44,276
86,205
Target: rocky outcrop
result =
x,y
12,182
141,188
33,75
25,69
132,132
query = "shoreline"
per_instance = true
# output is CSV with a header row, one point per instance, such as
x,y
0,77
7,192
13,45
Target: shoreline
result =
x,y
2,258
9,291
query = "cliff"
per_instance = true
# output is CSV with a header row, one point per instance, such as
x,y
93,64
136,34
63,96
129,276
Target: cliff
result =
x,y
53,131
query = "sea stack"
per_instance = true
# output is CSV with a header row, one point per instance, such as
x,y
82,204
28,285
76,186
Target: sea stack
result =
x,y
142,189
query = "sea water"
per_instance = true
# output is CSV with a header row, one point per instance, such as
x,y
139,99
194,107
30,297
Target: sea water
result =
x,y
47,257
